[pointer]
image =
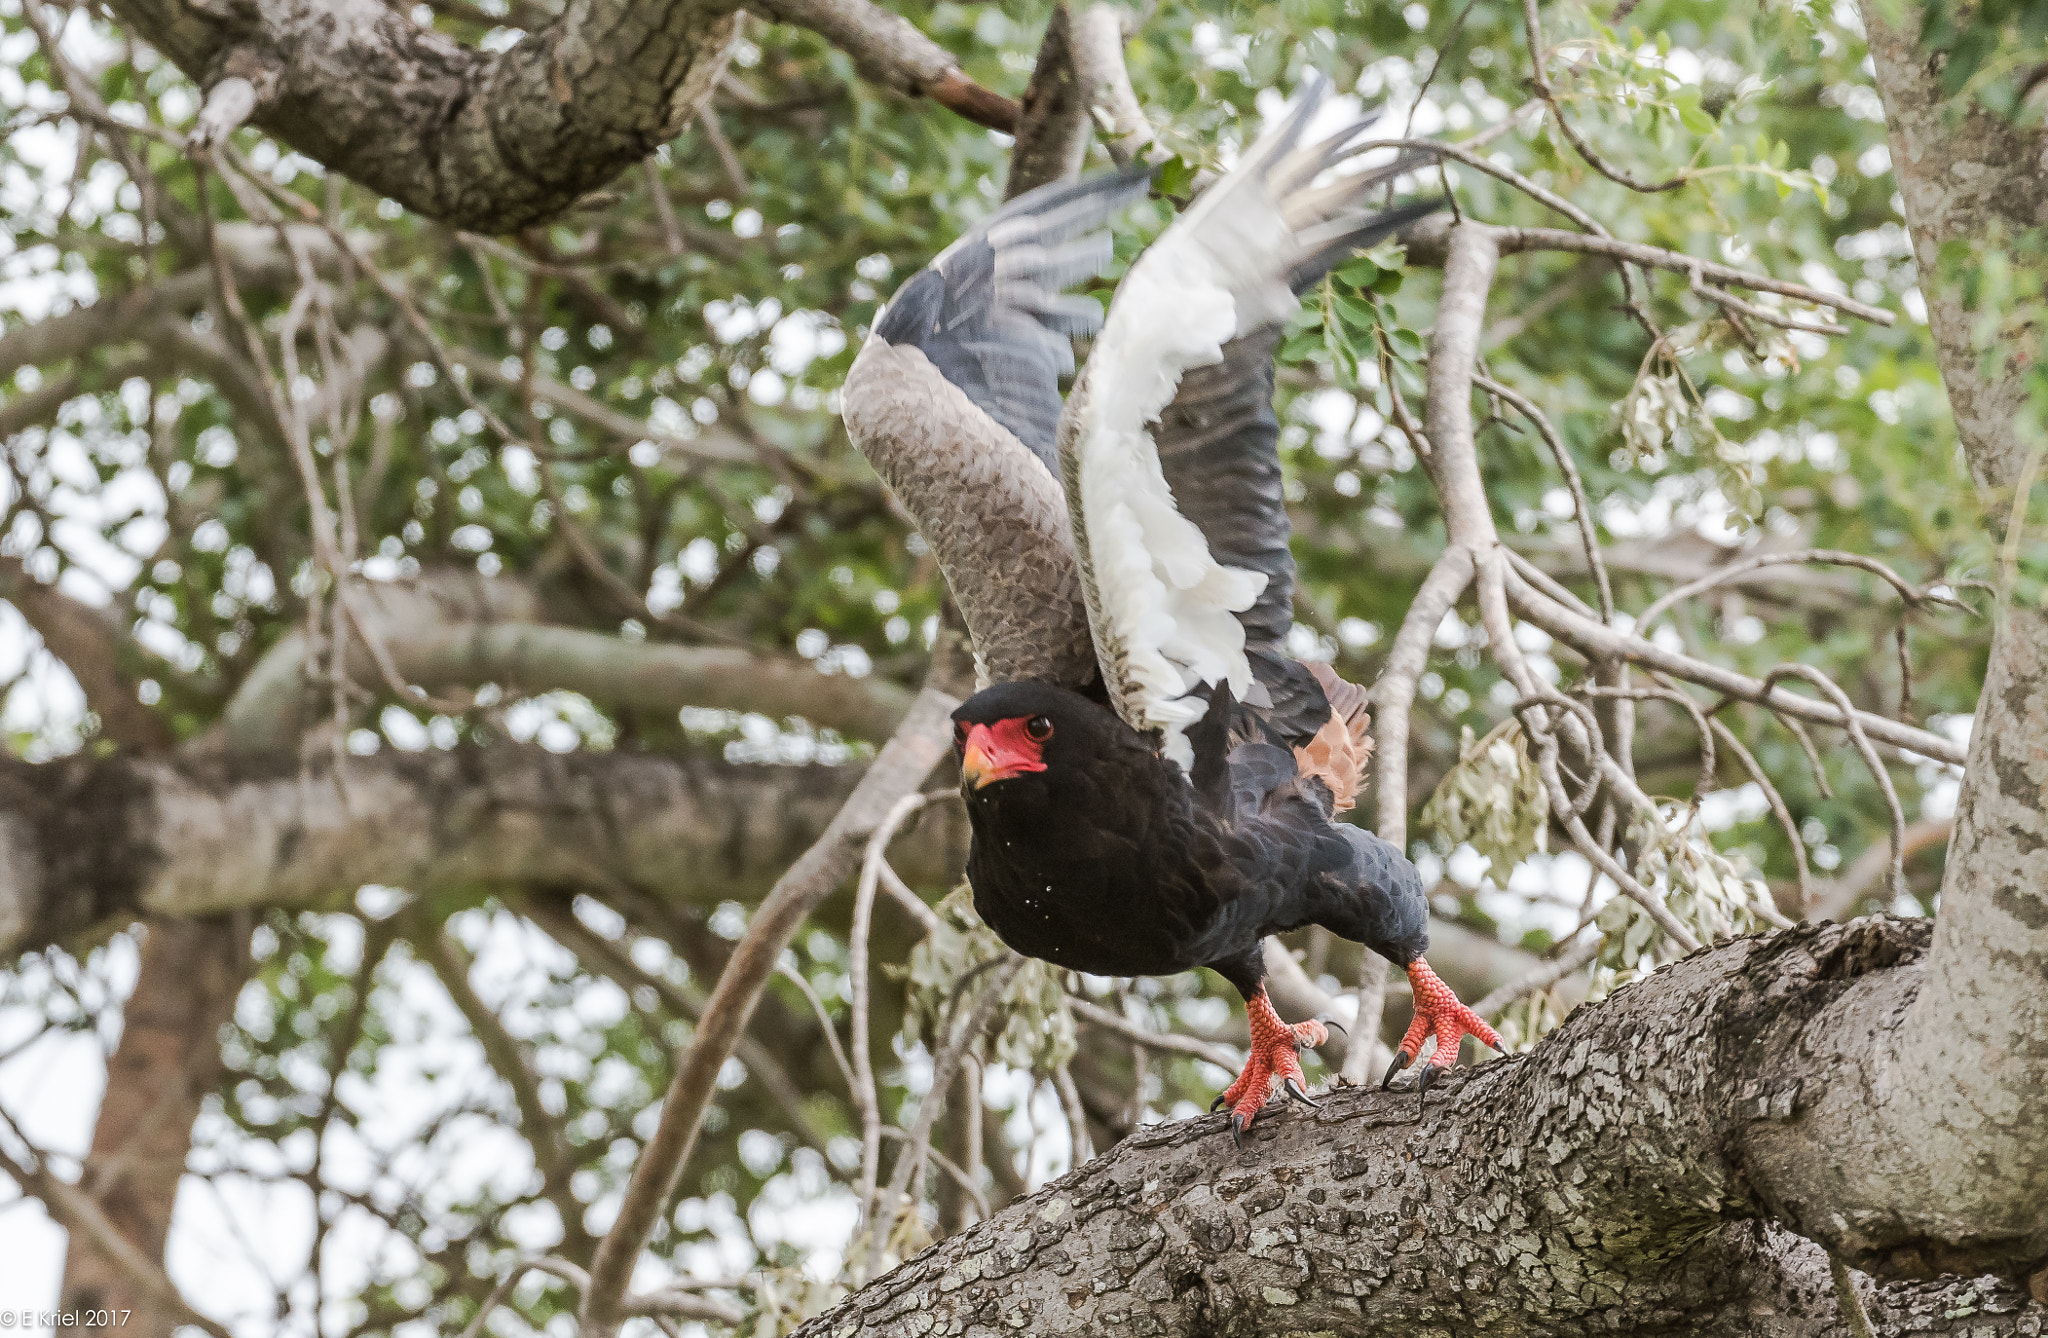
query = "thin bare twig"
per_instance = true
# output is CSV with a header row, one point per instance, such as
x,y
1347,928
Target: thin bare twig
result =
x,y
1878,771
1165,1042
910,1162
560,1268
1595,641
1729,302
1539,977
1778,809
903,763
1514,240
1841,895
1913,595
1582,510
865,1098
1539,55
1080,1146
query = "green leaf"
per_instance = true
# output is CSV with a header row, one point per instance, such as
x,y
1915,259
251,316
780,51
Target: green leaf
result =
x,y
1360,273
1692,116
1355,314
1176,177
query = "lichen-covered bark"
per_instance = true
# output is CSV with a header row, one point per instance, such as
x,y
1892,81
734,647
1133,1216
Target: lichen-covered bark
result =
x,y
488,142
1961,1093
85,842
1969,179
1614,1179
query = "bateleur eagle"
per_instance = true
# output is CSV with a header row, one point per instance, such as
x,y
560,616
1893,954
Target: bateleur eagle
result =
x,y
1151,780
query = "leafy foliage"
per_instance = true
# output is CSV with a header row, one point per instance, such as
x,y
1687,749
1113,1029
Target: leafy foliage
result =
x,y
642,435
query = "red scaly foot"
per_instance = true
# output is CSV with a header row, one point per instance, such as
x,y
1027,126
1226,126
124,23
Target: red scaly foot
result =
x,y
1437,1013
1274,1047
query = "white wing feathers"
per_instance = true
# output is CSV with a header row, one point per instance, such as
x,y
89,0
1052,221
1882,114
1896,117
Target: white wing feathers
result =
x,y
1161,609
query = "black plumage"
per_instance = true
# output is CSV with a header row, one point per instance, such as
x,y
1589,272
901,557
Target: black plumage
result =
x,y
1114,862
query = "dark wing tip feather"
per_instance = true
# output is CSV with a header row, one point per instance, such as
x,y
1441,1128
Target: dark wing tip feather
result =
x,y
990,312
1328,245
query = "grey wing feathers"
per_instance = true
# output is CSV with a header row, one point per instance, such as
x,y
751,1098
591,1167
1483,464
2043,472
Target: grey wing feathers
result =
x,y
1218,441
989,312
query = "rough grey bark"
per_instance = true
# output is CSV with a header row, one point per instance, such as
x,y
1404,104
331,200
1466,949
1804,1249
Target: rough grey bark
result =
x,y
495,142
86,842
1974,1051
1617,1178
488,142
1970,179
1053,127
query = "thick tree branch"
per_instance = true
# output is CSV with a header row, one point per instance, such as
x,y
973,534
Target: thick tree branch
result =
x,y
499,141
455,629
92,841
1107,96
1053,125
1613,1178
166,1063
488,141
888,50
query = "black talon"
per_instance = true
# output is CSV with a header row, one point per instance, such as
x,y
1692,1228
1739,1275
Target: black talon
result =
x,y
1402,1059
1333,1022
1238,1124
1295,1090
1217,1104
1422,1082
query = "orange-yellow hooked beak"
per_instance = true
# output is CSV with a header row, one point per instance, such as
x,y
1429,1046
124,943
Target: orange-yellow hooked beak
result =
x,y
997,752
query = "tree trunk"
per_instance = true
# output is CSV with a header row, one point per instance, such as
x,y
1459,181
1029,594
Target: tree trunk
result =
x,y
166,1063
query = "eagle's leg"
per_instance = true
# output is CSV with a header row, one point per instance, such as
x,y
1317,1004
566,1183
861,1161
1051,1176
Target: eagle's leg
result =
x,y
1275,1045
1437,1013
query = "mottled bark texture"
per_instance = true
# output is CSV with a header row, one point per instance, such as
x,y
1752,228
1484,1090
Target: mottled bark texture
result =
x,y
1619,1178
1970,179
88,842
167,1061
498,141
1053,127
1965,1091
492,142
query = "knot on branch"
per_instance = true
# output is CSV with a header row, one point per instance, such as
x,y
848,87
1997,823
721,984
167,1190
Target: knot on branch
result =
x,y
244,80
1875,943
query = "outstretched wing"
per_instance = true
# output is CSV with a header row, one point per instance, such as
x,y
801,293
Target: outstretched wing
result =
x,y
955,399
1182,527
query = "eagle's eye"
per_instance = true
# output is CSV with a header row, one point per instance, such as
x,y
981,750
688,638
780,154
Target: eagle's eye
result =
x,y
959,733
1038,729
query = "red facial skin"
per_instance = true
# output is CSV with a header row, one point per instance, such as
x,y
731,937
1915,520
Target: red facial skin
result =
x,y
990,753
